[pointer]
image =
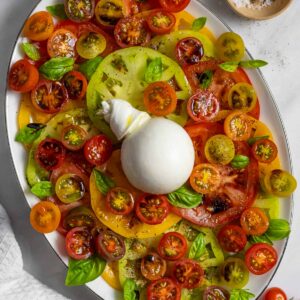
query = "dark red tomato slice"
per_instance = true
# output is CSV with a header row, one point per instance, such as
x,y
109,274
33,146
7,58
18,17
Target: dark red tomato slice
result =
x,y
265,151
163,289
275,293
232,238
79,243
79,10
215,293
172,246
203,106
80,216
119,201
23,76
131,31
49,96
188,273
50,154
73,137
189,51
161,21
110,245
174,5
153,267
260,258
152,209
98,149
76,85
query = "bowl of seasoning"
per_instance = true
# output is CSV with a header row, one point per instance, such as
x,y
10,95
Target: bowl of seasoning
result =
x,y
259,9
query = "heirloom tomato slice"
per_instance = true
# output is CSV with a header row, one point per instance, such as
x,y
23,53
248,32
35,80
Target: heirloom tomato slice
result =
x,y
163,289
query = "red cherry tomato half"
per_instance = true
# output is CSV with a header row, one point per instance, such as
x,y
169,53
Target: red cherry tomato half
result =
x,y
260,258
172,246
98,149
153,267
161,21
174,5
264,151
275,293
119,201
152,209
50,154
73,137
79,243
23,76
189,51
75,84
163,289
49,96
232,238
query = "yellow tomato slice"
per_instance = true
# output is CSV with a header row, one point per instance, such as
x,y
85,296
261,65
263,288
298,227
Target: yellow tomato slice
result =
x,y
111,275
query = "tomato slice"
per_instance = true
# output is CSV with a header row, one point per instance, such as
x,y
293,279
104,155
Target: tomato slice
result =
x,y
45,217
80,243
160,98
189,51
39,26
79,10
265,151
160,21
153,267
152,209
80,216
188,273
203,106
174,5
73,137
232,238
110,245
254,221
75,84
163,289
49,96
172,246
260,258
119,201
275,293
215,293
98,149
50,154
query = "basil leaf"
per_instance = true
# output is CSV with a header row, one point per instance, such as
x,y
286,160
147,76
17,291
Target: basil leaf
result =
x,y
154,70
129,289
89,67
43,189
198,247
252,140
57,67
252,64
185,198
103,182
230,66
57,10
254,239
240,294
31,51
205,79
83,271
199,23
240,161
29,133
278,229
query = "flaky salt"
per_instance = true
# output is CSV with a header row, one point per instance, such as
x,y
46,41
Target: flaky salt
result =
x,y
256,4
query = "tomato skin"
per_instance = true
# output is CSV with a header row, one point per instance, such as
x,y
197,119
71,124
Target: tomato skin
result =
x,y
119,201
265,151
23,76
73,137
275,293
75,84
153,267
215,293
161,21
260,258
173,5
189,51
82,14
163,289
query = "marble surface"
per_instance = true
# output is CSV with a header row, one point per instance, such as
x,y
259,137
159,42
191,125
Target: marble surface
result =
x,y
276,41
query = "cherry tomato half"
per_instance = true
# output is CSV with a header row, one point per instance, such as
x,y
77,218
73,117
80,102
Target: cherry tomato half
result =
x,y
80,216
189,51
160,98
153,267
152,209
79,10
275,293
73,137
98,149
119,201
163,289
23,76
45,217
260,258
264,151
50,154
215,293
80,243
174,5
160,21
172,246
75,84
232,238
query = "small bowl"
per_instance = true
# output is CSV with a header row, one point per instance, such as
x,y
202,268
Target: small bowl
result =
x,y
264,13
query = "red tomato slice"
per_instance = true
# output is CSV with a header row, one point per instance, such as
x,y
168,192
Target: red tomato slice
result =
x,y
75,84
161,21
119,201
153,267
163,289
189,51
174,5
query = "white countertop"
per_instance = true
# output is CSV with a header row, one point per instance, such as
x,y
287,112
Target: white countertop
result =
x,y
276,41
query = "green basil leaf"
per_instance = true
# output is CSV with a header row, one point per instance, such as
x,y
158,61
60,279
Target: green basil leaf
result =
x,y
252,64
154,70
83,271
278,229
129,289
185,198
205,79
89,67
29,133
198,247
240,161
199,23
31,51
240,294
103,182
57,67
254,239
43,189
252,140
57,10
230,66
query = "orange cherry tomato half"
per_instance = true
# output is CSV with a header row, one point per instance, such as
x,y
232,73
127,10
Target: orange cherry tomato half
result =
x,y
260,258
39,26
264,151
161,21
153,267
45,217
189,51
73,137
119,201
75,84
23,76
80,10
275,293
174,5
163,289
232,238
254,221
172,246
160,98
